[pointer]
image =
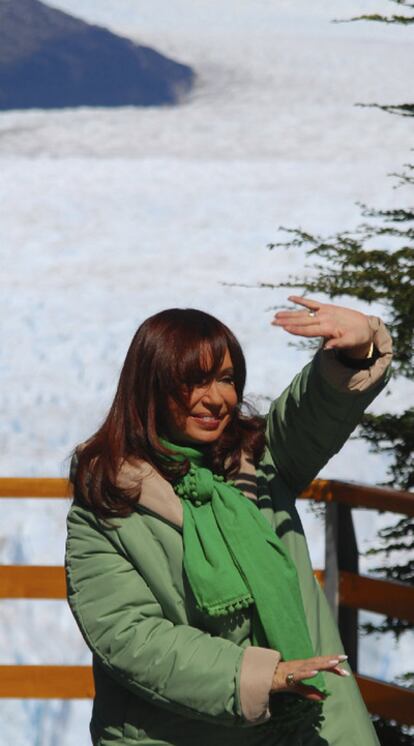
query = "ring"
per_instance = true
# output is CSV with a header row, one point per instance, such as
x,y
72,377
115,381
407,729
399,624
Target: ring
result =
x,y
290,680
312,313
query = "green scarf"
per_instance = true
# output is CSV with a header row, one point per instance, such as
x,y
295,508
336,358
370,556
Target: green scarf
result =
x,y
233,559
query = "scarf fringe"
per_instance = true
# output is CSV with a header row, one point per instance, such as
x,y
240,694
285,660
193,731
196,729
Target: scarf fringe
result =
x,y
229,607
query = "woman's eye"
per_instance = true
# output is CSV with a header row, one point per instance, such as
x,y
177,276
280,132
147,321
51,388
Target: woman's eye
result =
x,y
228,379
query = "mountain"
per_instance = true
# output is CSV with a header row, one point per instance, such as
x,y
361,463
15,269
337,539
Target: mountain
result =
x,y
49,59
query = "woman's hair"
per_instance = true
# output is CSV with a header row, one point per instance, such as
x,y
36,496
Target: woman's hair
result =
x,y
167,357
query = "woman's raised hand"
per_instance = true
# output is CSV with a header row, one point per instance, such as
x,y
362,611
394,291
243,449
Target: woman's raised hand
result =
x,y
342,328
289,675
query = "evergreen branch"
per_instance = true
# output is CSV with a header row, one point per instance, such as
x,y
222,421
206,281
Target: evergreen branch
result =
x,y
404,20
369,274
393,433
405,179
403,110
390,216
405,679
390,624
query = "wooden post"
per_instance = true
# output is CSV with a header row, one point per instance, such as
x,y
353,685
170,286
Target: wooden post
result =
x,y
348,560
331,583
341,553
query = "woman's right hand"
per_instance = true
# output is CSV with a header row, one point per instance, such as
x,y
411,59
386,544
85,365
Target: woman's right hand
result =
x,y
289,675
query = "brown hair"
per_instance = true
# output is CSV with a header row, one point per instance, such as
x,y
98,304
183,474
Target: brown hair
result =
x,y
166,355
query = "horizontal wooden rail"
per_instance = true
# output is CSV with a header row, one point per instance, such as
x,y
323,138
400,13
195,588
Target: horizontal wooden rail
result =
x,y
381,596
46,682
356,591
32,581
360,496
45,581
372,594
321,490
48,487
387,700
76,682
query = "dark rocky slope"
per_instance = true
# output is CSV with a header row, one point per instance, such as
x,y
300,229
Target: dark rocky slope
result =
x,y
49,59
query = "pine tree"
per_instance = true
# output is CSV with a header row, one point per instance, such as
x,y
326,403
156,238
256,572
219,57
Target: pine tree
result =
x,y
353,264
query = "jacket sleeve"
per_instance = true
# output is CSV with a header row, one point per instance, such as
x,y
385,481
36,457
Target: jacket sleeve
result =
x,y
311,420
175,666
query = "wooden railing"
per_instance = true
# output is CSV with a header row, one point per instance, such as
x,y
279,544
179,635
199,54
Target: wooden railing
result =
x,y
347,592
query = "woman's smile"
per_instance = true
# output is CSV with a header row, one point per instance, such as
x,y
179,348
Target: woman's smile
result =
x,y
207,421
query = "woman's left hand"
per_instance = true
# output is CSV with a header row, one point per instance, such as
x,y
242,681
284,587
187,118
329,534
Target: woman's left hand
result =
x,y
342,328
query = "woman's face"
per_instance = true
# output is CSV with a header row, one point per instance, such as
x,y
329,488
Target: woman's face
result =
x,y
208,411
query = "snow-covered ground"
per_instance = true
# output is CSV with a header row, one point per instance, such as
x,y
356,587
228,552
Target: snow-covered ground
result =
x,y
107,216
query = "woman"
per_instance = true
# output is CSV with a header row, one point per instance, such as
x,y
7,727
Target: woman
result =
x,y
188,571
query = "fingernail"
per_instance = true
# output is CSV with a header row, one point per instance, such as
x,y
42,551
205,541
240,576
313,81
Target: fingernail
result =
x,y
313,673
342,657
333,662
343,672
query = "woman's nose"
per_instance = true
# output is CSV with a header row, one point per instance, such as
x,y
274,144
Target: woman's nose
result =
x,y
212,394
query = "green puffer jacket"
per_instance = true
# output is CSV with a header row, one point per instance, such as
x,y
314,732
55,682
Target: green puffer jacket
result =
x,y
165,673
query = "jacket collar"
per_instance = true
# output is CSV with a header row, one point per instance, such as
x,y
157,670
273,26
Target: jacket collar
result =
x,y
157,494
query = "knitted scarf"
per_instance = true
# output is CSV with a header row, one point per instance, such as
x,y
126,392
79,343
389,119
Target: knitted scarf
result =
x,y
234,559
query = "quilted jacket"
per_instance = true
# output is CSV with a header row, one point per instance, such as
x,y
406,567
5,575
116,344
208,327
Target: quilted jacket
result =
x,y
165,673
